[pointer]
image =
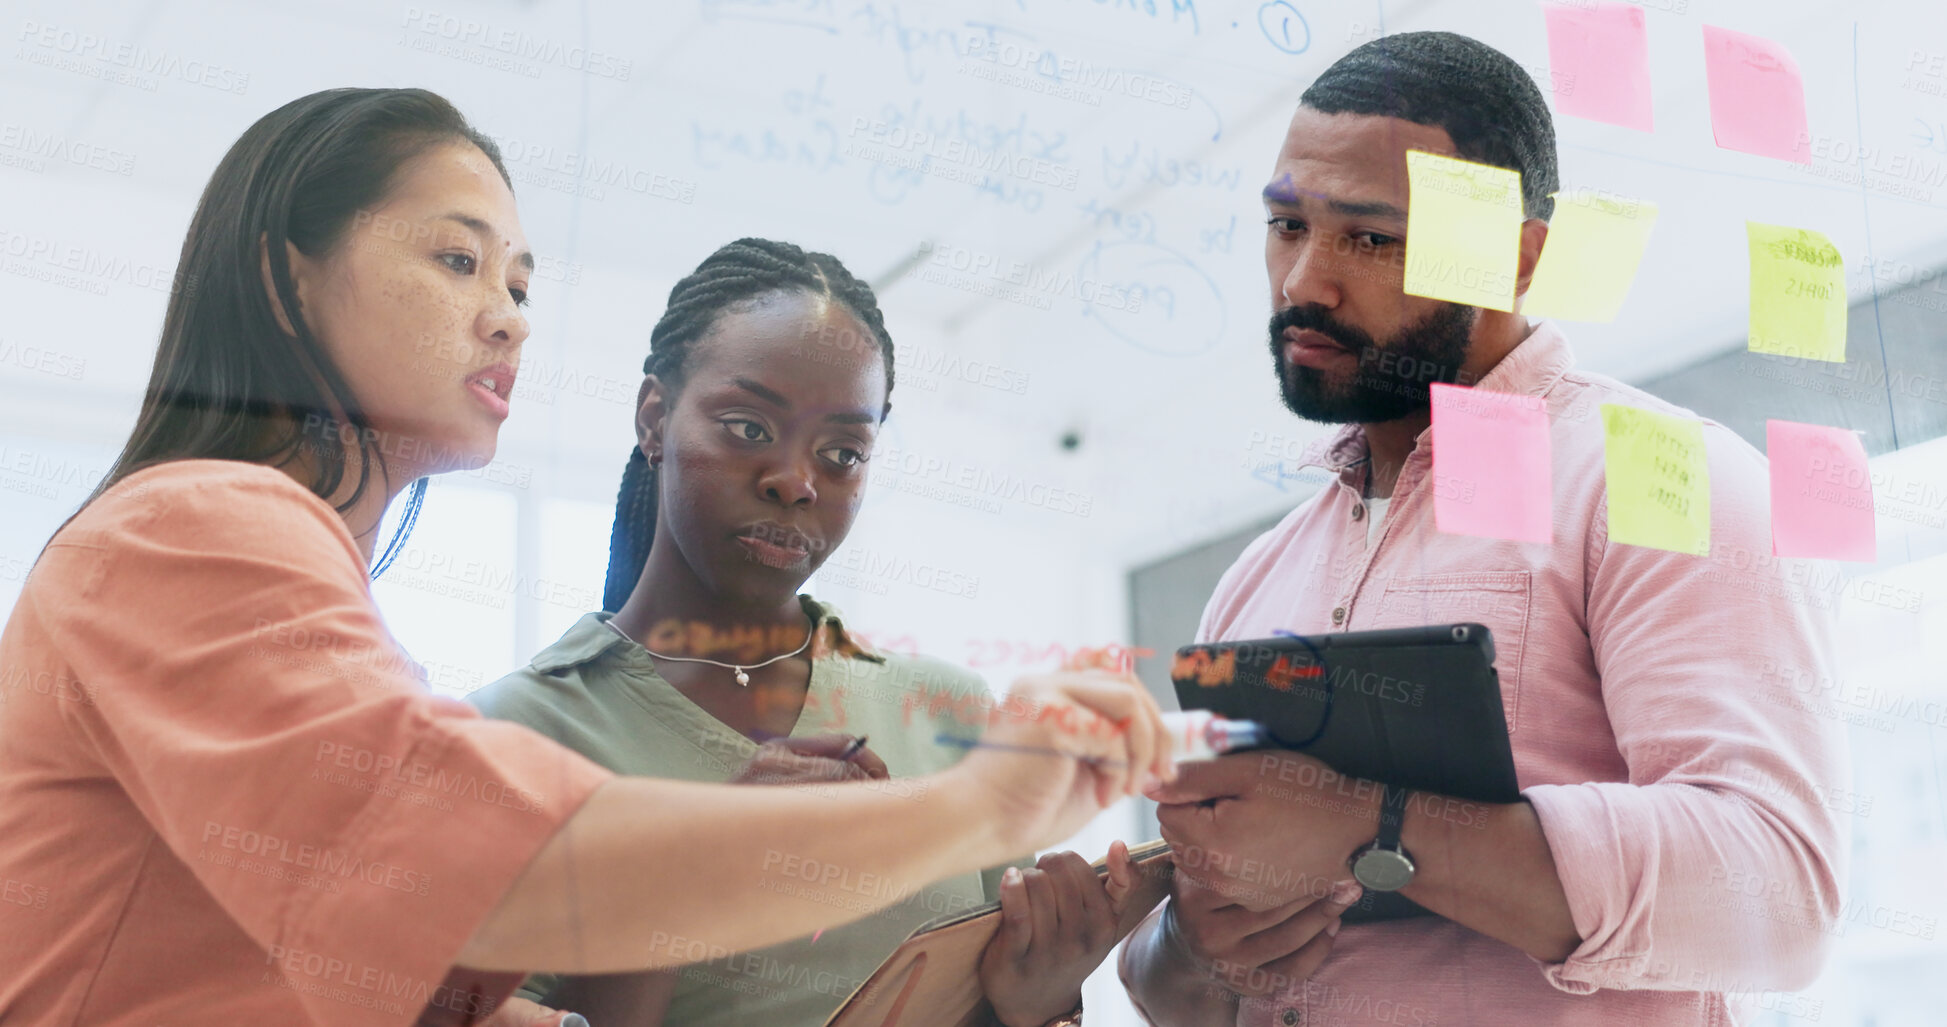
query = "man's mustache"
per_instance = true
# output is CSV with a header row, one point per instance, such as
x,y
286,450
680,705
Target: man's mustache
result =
x,y
1314,318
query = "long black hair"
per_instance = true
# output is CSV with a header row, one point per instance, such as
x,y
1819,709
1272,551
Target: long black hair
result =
x,y
229,382
743,271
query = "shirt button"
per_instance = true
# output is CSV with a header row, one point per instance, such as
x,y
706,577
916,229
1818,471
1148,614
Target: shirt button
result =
x,y
1290,1017
1338,615
1359,512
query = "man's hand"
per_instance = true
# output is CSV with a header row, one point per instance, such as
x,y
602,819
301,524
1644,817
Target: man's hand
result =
x,y
1200,958
1264,829
1058,922
1253,953
810,759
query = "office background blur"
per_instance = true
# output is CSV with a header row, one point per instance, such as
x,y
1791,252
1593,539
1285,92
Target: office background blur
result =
x,y
1085,428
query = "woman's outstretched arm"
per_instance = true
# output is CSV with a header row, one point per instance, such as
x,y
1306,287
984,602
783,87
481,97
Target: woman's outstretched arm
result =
x,y
653,873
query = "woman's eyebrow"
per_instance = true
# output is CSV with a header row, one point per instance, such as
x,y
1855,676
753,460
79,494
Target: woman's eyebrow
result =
x,y
480,225
776,399
765,393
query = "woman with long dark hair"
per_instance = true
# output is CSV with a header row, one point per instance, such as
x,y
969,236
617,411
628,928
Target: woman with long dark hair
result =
x,y
233,802
767,379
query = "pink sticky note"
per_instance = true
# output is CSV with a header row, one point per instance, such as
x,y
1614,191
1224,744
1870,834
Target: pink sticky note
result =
x,y
1821,493
1757,100
1599,58
1491,465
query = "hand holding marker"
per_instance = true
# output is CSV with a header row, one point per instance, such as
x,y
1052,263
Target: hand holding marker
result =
x,y
1197,734
1202,735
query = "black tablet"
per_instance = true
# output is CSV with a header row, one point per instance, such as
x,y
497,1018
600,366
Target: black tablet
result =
x,y
1418,708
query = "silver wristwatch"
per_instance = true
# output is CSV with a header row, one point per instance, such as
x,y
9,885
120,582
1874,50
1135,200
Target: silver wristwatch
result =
x,y
1385,865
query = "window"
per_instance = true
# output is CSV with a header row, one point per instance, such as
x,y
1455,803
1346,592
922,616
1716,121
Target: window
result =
x,y
1891,694
451,594
573,543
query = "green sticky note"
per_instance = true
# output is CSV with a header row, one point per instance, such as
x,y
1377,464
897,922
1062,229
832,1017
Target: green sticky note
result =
x,y
1798,293
1659,484
1463,231
1595,243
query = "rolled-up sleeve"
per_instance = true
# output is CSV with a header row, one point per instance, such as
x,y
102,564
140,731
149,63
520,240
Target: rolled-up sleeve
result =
x,y
253,707
1718,866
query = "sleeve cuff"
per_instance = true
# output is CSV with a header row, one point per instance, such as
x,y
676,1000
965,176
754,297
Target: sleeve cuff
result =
x,y
1584,827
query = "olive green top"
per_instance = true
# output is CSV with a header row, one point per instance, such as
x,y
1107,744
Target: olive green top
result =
x,y
599,694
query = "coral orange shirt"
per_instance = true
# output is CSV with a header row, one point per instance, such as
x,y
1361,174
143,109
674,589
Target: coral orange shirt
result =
x,y
226,797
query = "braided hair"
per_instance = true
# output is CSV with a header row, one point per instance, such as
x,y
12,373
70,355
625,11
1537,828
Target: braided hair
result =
x,y
733,277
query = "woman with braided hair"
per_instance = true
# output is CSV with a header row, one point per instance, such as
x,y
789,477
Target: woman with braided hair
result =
x,y
767,380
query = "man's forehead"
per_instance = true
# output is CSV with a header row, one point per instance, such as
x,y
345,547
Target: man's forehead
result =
x,y
1362,200
1287,189
1375,140
1314,189
1349,160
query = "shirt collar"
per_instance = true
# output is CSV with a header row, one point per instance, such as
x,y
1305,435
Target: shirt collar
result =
x,y
591,638
1534,365
1531,368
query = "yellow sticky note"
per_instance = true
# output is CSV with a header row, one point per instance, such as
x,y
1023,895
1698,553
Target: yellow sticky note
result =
x,y
1463,231
1798,293
1595,243
1659,483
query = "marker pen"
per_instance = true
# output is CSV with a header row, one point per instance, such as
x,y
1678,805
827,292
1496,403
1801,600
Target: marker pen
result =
x,y
1195,734
1202,735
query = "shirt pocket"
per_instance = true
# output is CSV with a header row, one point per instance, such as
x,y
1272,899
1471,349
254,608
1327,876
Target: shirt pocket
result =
x,y
1498,599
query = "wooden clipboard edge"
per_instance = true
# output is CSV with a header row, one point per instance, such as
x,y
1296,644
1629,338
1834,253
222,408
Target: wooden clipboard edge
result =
x,y
1151,859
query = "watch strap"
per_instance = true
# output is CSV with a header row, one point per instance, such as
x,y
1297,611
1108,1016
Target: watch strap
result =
x,y
1392,817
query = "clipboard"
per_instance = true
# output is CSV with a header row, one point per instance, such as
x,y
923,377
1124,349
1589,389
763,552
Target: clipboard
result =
x,y
933,978
1418,708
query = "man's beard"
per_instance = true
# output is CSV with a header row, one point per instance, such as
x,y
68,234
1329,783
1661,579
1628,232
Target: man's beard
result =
x,y
1389,382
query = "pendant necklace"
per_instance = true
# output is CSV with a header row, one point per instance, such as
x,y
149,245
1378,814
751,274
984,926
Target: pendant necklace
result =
x,y
741,671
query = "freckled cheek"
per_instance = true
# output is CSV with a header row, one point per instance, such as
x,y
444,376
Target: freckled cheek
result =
x,y
419,300
448,320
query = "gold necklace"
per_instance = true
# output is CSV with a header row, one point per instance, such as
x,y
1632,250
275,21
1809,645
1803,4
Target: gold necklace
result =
x,y
743,678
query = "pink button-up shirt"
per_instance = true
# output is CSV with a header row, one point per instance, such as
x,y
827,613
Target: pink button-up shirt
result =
x,y
1649,697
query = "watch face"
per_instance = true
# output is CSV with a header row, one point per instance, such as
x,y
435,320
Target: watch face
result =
x,y
1383,869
